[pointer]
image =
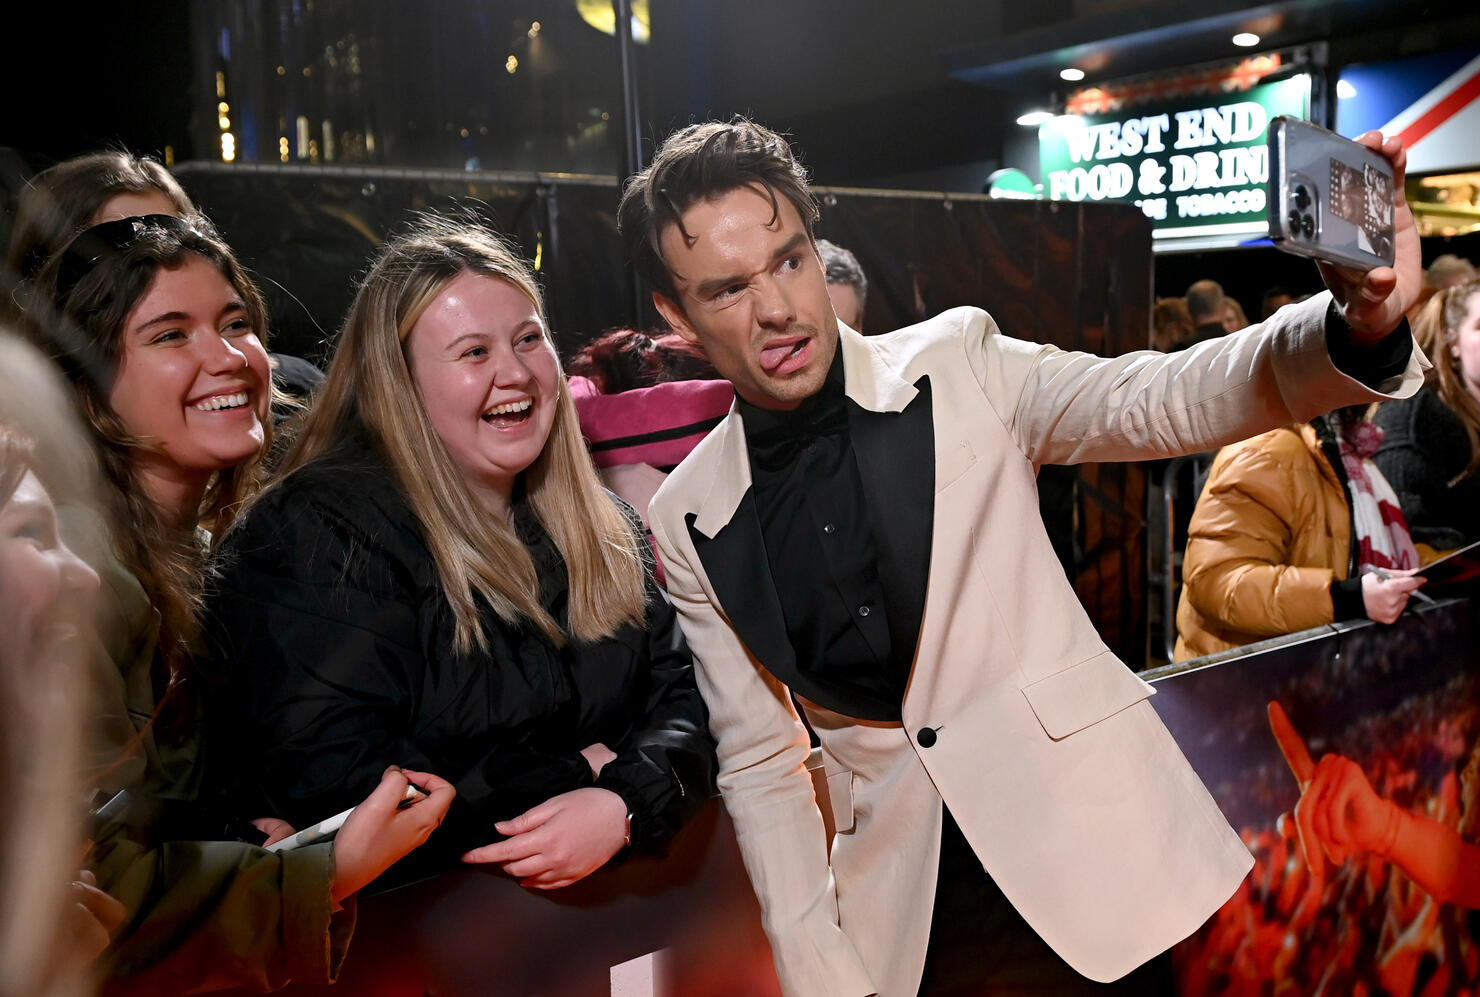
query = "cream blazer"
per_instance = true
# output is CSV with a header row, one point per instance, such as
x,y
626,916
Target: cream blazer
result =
x,y
1045,746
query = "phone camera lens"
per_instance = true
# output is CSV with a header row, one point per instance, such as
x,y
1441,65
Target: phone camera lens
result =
x,y
1308,226
1294,223
1302,197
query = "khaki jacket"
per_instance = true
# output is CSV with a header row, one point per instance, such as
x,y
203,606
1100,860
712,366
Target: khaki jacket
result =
x,y
1044,746
200,914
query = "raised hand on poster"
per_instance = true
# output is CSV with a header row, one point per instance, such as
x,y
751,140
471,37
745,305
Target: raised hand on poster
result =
x,y
1340,815
1297,756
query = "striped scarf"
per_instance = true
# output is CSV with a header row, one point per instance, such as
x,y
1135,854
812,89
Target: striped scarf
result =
x,y
1377,520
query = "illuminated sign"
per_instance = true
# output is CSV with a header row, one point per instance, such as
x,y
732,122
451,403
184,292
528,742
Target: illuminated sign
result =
x,y
1197,168
1012,184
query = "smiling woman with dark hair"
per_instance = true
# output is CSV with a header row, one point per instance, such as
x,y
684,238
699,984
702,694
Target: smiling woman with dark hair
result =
x,y
160,333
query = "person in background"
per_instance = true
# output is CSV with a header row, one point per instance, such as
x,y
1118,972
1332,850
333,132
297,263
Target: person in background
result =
x,y
1234,318
53,919
1431,448
847,285
437,575
1205,305
644,402
160,333
1170,323
1449,270
1286,536
99,187
626,359
1272,300
1446,271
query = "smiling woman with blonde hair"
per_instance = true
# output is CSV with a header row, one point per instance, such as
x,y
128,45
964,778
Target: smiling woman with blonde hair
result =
x,y
438,573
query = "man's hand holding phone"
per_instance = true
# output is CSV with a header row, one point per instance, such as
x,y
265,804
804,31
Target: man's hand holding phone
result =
x,y
1373,302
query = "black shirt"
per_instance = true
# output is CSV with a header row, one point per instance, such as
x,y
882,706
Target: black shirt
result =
x,y
820,545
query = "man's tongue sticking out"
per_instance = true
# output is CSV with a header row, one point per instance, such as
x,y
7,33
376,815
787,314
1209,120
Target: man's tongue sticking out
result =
x,y
773,357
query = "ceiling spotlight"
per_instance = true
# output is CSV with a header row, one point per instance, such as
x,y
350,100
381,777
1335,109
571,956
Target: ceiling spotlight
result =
x,y
1345,90
1034,118
602,16
1072,74
1246,39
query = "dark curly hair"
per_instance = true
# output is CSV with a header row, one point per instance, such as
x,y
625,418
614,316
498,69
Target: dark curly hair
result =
x,y
623,359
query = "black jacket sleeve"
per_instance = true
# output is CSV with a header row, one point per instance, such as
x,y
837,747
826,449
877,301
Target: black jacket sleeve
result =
x,y
664,769
665,765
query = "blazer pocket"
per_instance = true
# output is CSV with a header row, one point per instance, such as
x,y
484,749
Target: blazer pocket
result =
x,y
953,460
840,799
1084,694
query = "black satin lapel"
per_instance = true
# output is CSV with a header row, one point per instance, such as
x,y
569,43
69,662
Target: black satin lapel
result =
x,y
896,460
735,561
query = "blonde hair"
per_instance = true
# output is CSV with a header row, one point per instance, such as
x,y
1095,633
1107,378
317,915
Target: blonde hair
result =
x,y
1435,329
477,554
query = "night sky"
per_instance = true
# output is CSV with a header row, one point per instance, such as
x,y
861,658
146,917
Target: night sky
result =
x,y
80,76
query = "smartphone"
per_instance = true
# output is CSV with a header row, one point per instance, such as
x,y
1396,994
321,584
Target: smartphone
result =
x,y
1329,198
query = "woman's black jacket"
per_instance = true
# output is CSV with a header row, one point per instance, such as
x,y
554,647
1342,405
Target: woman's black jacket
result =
x,y
330,618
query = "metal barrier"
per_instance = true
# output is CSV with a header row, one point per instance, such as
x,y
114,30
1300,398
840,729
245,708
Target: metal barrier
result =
x,y
683,925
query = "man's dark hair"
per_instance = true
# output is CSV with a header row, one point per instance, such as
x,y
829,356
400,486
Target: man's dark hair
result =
x,y
700,163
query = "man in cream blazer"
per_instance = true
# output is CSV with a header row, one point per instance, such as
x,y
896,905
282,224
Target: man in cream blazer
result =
x,y
1042,745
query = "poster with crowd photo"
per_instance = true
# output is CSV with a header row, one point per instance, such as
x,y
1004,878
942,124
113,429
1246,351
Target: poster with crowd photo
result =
x,y
1403,702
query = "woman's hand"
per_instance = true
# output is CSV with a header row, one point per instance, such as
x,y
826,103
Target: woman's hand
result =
x,y
381,832
275,828
93,916
1384,599
562,840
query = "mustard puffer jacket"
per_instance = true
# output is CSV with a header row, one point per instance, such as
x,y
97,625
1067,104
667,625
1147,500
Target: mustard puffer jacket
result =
x,y
1271,532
